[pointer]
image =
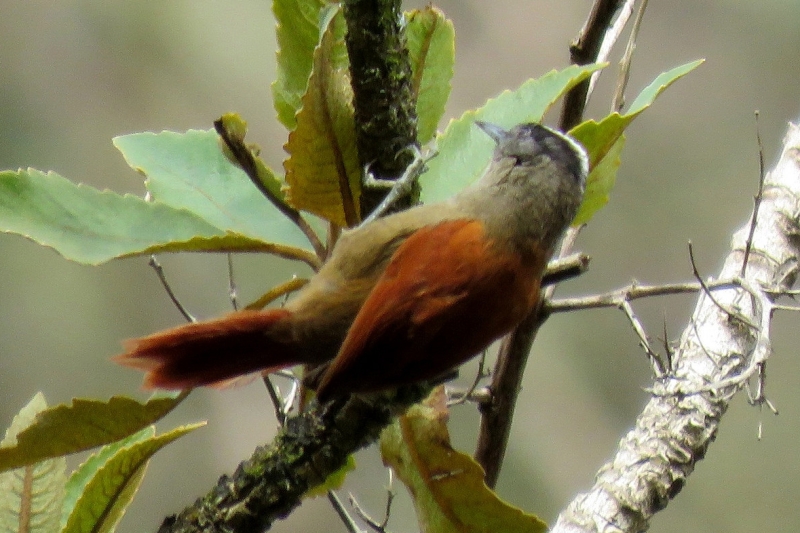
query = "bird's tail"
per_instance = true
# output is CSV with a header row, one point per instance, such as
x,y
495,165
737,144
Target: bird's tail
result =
x,y
214,352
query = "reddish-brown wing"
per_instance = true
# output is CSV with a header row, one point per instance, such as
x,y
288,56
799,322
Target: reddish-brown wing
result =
x,y
447,293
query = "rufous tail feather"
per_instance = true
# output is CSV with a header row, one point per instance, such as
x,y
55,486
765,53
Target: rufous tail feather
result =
x,y
214,352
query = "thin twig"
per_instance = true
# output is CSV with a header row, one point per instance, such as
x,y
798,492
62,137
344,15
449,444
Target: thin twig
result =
x,y
756,200
759,397
610,39
731,313
400,187
777,307
625,64
378,527
481,396
703,285
282,405
232,293
345,517
634,291
667,348
655,361
275,398
334,232
763,309
479,375
164,283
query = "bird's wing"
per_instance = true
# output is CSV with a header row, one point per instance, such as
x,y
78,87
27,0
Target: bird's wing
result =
x,y
442,279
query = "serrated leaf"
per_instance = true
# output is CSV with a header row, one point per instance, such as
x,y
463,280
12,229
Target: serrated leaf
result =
x,y
322,170
464,150
604,141
110,490
430,39
297,31
599,183
81,425
189,171
89,468
662,81
24,419
91,227
599,137
446,485
31,496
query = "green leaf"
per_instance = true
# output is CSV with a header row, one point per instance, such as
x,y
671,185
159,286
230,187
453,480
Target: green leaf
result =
x,y
31,497
604,141
430,40
662,81
599,137
81,425
599,183
464,150
189,171
298,35
89,468
322,171
446,485
91,227
107,494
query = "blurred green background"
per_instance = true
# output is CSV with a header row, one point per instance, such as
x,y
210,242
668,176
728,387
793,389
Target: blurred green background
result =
x,y
75,73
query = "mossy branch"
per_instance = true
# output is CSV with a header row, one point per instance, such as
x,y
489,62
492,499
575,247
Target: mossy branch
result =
x,y
385,106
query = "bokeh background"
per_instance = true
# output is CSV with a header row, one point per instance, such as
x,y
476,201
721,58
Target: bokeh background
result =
x,y
74,73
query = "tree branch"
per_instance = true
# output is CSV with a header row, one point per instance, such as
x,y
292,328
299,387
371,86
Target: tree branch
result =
x,y
718,353
273,481
497,414
383,97
584,50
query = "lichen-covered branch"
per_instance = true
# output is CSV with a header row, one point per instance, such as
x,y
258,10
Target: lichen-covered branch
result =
x,y
272,482
725,344
385,107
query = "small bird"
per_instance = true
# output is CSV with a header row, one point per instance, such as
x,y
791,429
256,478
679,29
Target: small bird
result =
x,y
404,298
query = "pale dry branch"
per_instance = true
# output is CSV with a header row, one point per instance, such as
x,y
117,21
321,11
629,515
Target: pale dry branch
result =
x,y
610,39
717,355
634,291
618,102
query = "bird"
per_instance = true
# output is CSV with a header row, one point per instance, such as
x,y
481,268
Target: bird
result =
x,y
407,297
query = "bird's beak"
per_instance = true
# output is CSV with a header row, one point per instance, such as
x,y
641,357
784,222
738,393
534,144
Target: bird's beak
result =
x,y
495,132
